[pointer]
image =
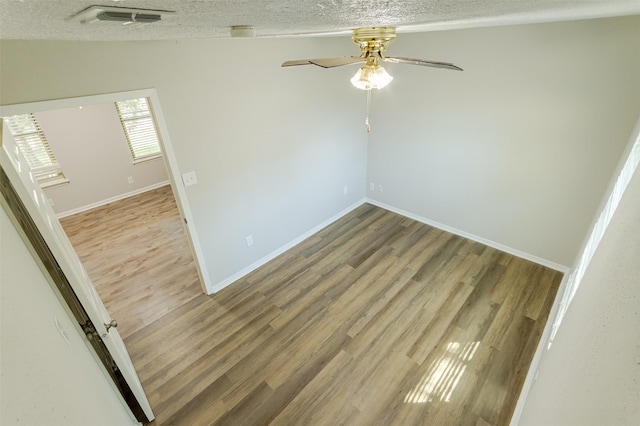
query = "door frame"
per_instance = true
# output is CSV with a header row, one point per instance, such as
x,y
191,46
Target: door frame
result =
x,y
22,220
25,202
168,156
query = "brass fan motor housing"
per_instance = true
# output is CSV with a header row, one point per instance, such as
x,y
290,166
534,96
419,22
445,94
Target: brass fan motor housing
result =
x,y
373,41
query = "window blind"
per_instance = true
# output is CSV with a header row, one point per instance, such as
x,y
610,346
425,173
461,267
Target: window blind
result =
x,y
139,128
32,143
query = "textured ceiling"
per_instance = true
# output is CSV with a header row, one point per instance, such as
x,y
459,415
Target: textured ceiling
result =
x,y
49,19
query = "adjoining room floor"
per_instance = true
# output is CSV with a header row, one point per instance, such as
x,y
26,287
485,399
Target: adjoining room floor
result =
x,y
136,253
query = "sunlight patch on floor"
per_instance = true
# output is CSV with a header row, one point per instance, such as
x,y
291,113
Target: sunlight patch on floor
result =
x,y
444,374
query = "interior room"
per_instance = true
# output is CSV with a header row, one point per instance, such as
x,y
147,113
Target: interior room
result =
x,y
519,153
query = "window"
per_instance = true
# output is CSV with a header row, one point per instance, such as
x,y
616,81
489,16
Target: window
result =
x,y
32,143
139,129
574,280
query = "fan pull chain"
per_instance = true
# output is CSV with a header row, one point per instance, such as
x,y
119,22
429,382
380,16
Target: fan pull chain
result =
x,y
366,121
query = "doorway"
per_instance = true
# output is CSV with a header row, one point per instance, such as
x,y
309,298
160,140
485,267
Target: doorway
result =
x,y
174,219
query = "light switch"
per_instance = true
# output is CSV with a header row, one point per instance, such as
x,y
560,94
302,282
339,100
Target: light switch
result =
x,y
189,178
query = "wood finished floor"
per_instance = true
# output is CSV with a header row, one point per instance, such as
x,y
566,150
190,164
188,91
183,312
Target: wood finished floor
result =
x,y
136,253
375,320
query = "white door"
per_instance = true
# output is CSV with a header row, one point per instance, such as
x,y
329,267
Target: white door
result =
x,y
45,219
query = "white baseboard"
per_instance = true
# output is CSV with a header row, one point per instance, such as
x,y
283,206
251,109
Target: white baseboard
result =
x,y
111,200
546,334
245,271
255,265
543,345
493,244
544,339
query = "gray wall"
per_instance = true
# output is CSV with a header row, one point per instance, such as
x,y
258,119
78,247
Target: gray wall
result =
x,y
92,149
44,380
272,148
590,374
519,147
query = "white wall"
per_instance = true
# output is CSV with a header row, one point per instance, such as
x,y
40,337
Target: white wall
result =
x,y
44,380
590,375
92,149
519,147
272,148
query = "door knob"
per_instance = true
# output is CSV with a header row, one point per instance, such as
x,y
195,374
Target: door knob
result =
x,y
113,324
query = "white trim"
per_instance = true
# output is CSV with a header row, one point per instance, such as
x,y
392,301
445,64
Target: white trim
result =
x,y
532,373
175,177
151,157
32,195
112,199
486,242
255,265
627,167
106,98
165,144
533,367
54,183
277,252
607,209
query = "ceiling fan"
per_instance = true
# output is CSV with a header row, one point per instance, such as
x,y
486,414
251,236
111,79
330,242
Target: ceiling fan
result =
x,y
372,42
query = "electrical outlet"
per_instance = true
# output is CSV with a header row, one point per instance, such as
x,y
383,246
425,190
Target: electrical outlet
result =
x,y
189,179
372,186
380,187
50,201
345,190
249,240
130,179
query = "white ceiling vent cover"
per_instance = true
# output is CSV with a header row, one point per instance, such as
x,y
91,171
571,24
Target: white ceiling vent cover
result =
x,y
123,15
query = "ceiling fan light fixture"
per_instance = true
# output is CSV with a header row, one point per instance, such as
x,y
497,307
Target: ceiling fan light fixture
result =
x,y
371,77
372,42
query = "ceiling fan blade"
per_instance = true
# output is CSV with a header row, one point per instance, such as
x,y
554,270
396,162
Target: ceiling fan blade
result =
x,y
297,62
326,62
422,62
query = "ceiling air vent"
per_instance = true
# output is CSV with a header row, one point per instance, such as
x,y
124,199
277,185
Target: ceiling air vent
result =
x,y
123,15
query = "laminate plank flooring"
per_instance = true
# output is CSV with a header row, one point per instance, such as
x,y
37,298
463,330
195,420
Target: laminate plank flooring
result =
x,y
136,253
375,320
